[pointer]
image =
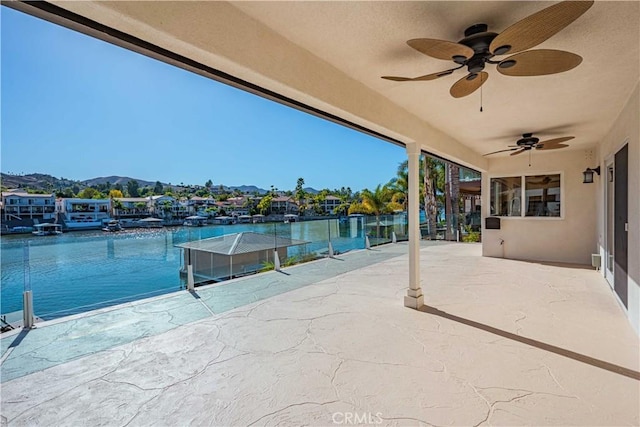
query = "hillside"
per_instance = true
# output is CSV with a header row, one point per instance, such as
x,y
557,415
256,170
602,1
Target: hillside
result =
x,y
122,180
44,182
37,181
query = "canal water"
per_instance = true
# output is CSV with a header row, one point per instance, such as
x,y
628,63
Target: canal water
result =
x,y
85,270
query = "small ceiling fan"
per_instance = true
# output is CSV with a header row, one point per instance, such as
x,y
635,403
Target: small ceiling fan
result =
x,y
529,142
479,47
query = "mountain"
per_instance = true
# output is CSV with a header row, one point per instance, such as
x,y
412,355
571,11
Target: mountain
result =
x,y
247,189
122,180
37,181
310,190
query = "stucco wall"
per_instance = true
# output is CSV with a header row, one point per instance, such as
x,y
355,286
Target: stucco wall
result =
x,y
567,239
625,130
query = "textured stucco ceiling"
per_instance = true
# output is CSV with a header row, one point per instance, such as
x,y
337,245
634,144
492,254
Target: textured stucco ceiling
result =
x,y
366,40
331,54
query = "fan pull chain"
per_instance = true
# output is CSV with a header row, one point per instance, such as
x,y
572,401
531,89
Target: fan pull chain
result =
x,y
530,158
481,92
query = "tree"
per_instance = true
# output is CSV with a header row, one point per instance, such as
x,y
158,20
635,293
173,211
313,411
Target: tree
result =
x,y
358,208
452,199
115,194
89,193
166,208
145,191
299,192
265,204
116,205
140,206
429,177
209,185
376,201
158,188
132,188
399,186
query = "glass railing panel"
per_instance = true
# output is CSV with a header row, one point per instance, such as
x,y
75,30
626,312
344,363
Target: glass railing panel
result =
x,y
81,271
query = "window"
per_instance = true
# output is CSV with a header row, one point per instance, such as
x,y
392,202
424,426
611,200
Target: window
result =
x,y
506,196
541,194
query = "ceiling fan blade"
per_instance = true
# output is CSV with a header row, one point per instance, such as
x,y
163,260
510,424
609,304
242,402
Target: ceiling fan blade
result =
x,y
536,28
556,140
518,152
440,49
501,151
468,84
426,77
550,147
539,63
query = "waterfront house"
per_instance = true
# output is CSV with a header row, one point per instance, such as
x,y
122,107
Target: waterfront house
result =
x,y
163,206
201,205
238,206
329,204
83,214
131,208
20,208
281,205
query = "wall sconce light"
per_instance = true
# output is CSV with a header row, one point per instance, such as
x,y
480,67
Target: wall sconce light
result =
x,y
588,175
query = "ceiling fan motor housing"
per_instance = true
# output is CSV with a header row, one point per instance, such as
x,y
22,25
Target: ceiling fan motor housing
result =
x,y
478,39
527,140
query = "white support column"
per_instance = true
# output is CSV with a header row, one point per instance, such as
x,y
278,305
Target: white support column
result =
x,y
414,297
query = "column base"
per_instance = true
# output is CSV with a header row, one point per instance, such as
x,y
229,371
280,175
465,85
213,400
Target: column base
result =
x,y
414,293
414,302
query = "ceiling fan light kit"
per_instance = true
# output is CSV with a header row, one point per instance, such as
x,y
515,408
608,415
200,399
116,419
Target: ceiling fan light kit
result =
x,y
479,47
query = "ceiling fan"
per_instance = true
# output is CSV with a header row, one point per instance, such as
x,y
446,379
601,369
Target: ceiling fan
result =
x,y
479,47
528,142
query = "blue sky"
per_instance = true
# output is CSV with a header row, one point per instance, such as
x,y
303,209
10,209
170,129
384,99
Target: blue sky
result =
x,y
79,108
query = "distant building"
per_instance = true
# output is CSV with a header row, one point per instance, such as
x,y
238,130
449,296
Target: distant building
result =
x,y
167,207
284,205
83,213
329,204
236,206
199,205
132,208
19,205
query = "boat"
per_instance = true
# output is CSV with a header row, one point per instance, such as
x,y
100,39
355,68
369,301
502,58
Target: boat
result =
x,y
113,225
151,223
47,229
244,219
290,218
194,221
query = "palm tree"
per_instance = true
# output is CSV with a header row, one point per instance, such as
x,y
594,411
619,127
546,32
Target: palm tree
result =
x,y
430,175
376,202
300,195
452,198
399,186
116,207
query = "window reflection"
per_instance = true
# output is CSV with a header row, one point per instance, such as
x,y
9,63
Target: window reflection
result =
x,y
542,195
505,196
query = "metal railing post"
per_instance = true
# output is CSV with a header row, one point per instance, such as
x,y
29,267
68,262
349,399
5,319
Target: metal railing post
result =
x,y
27,295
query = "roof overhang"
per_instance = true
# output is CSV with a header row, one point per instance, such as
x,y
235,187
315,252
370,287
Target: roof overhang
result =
x,y
329,56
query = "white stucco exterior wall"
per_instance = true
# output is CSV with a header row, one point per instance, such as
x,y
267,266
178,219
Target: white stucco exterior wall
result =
x,y
568,239
626,130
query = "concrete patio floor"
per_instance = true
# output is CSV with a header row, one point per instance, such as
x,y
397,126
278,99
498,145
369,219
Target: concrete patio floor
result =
x,y
501,342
